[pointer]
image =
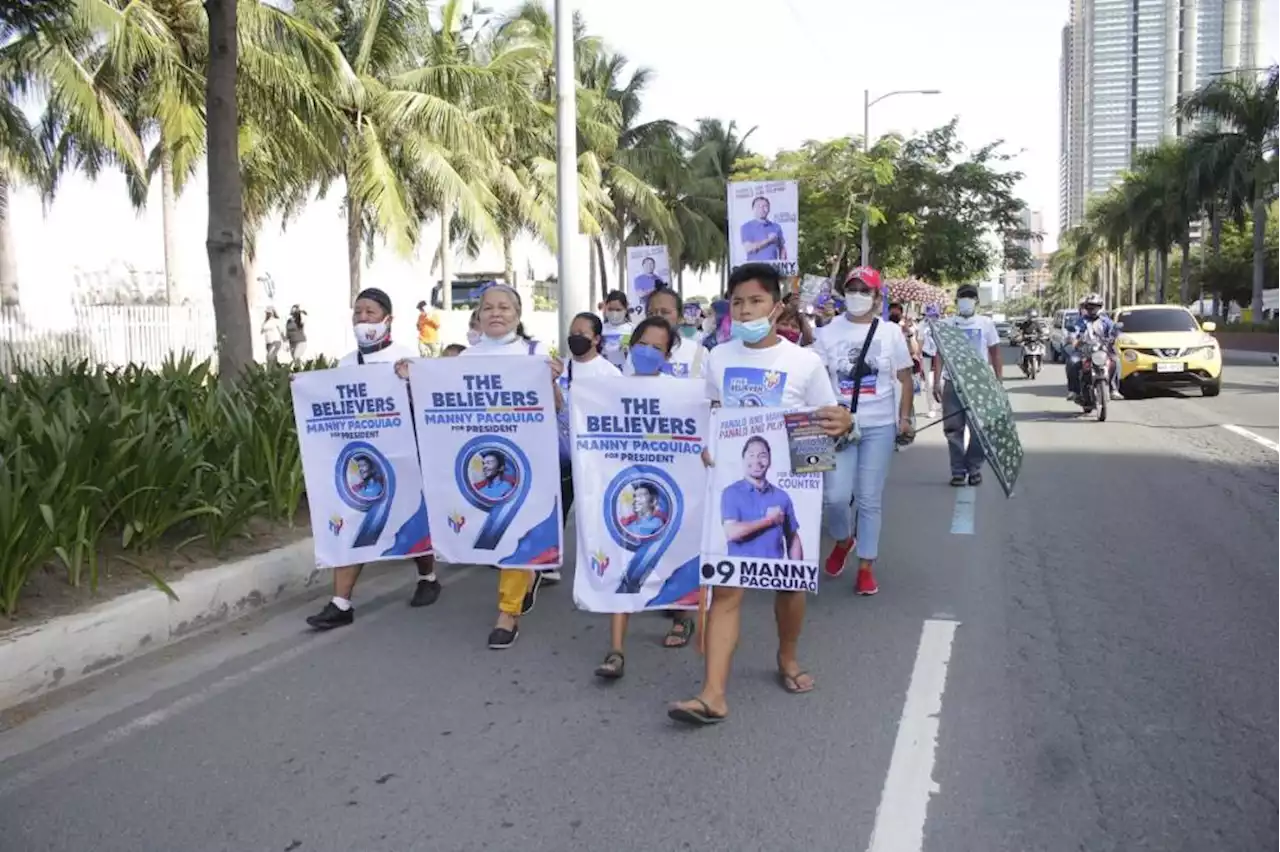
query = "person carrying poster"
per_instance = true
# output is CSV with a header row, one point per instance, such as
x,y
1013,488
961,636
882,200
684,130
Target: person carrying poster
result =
x,y
586,339
648,270
502,333
648,511
687,360
757,368
870,369
371,323
617,328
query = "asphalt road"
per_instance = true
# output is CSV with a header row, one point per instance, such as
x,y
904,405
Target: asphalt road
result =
x,y
1092,667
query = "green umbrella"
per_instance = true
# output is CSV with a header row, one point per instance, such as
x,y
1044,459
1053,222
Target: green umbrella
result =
x,y
985,404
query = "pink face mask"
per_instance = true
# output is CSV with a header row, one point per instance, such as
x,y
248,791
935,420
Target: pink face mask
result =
x,y
790,334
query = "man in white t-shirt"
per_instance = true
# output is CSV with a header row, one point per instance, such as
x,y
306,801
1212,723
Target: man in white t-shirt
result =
x,y
966,461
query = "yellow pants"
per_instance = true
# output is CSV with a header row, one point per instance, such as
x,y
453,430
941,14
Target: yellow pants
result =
x,y
513,584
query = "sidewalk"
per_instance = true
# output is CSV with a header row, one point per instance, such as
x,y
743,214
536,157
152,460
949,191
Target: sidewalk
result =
x,y
1245,357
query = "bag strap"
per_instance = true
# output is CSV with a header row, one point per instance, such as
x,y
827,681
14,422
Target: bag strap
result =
x,y
533,347
862,363
359,357
697,362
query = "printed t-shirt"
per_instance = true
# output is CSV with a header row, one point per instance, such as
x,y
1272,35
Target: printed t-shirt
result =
x,y
840,345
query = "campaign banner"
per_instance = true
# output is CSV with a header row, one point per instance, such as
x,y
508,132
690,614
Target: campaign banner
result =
x,y
640,490
764,224
360,464
647,269
487,434
763,521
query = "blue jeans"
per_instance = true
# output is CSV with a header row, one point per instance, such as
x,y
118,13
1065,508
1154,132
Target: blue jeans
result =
x,y
964,460
859,477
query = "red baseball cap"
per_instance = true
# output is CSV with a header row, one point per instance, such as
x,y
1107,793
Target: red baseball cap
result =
x,y
866,275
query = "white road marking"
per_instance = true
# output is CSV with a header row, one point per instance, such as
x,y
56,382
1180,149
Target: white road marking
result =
x,y
963,517
1257,439
904,802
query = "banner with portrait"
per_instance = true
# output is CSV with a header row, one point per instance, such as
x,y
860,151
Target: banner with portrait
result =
x,y
647,269
763,522
640,490
764,224
487,435
360,463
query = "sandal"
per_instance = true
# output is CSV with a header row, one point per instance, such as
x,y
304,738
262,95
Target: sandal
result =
x,y
693,716
680,633
613,666
791,682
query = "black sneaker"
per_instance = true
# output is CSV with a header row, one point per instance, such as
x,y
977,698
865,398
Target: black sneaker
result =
x,y
426,593
500,639
958,481
531,596
331,617
975,479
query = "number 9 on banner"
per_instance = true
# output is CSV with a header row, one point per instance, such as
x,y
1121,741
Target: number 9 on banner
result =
x,y
718,574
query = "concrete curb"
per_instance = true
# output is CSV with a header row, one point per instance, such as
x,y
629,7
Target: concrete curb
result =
x,y
1245,356
61,651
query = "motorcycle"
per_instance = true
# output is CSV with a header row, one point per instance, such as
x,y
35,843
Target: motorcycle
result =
x,y
1096,367
1032,356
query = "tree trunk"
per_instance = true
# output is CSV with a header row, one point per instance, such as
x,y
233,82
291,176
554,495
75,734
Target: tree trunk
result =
x,y
604,267
1146,274
355,245
446,262
1131,263
9,294
508,262
1162,274
225,242
169,226
1184,274
680,278
1215,229
593,274
1259,254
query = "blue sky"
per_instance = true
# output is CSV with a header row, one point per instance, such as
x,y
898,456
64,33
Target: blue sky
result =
x,y
794,69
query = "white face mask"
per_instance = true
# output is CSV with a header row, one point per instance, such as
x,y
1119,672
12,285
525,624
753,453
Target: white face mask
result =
x,y
616,317
966,306
371,333
709,325
473,337
858,304
503,340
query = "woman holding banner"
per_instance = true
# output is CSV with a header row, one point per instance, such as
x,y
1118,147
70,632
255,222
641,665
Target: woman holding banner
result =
x,y
371,322
586,340
651,346
870,368
757,367
502,333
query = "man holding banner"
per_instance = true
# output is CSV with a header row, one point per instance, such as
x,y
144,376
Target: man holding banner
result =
x,y
758,368
360,463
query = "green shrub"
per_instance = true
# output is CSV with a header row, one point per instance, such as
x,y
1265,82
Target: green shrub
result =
x,y
138,460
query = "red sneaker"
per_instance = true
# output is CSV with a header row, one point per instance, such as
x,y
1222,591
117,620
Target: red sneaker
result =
x,y
866,583
839,555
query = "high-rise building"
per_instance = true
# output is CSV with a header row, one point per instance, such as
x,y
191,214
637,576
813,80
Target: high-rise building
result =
x,y
1124,66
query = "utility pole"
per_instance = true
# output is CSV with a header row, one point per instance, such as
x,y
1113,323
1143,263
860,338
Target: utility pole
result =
x,y
573,298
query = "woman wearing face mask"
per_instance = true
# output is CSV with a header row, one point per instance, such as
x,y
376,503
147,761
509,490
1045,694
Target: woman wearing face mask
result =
x,y
651,346
584,346
768,371
371,322
617,328
686,357
502,333
870,369
794,326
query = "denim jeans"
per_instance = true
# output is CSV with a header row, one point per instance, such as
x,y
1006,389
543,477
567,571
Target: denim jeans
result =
x,y
964,460
860,474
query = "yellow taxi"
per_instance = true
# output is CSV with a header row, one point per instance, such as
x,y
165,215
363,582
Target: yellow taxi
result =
x,y
1166,346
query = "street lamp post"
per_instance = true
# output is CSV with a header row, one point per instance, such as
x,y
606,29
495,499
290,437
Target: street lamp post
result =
x,y
572,300
867,104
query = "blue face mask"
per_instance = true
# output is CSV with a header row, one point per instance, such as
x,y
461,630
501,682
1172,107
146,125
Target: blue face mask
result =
x,y
647,360
752,331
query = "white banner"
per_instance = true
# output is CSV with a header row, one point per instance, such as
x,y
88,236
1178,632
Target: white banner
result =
x,y
640,491
763,522
764,224
487,433
647,267
360,462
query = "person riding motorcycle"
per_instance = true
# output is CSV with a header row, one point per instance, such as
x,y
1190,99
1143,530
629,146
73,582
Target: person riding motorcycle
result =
x,y
1091,326
1029,329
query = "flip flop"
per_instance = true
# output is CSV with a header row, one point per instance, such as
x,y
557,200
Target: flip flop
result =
x,y
613,666
700,719
791,682
681,630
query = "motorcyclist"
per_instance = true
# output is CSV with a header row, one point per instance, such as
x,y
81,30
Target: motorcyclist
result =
x,y
1091,325
1030,329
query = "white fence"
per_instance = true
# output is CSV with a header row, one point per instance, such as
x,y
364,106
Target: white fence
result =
x,y
117,335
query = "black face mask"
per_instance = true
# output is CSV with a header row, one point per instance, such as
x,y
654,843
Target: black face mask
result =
x,y
895,317
580,344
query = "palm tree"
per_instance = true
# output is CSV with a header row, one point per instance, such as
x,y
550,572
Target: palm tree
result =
x,y
696,204
715,147
1241,140
51,61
